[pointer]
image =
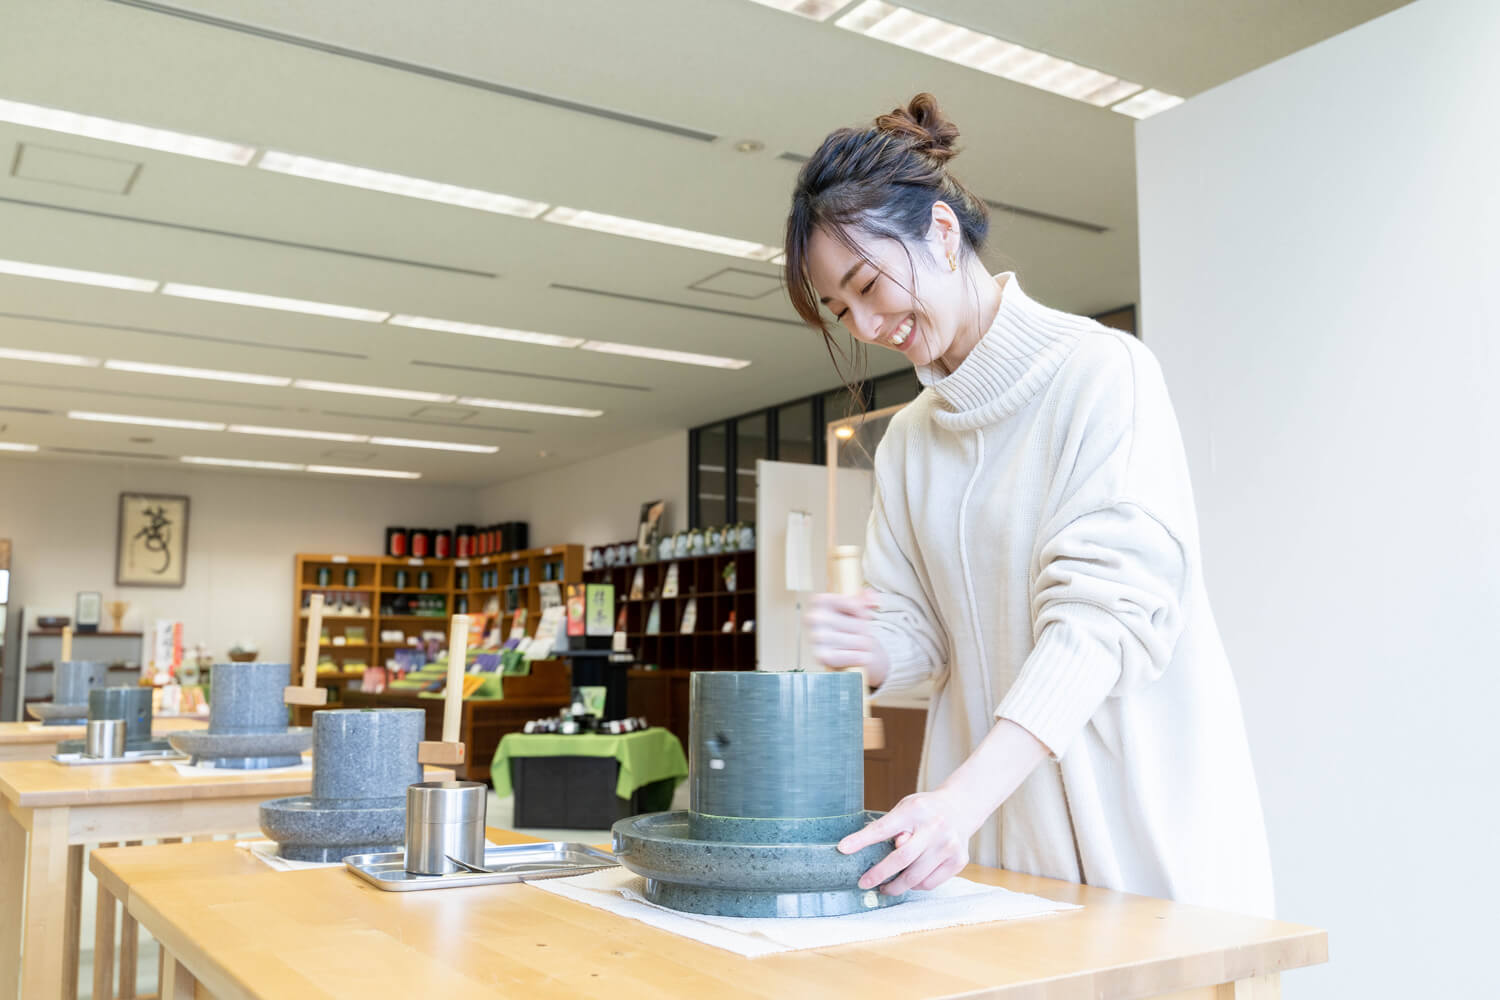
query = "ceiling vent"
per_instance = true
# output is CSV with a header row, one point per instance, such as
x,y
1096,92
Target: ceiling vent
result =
x,y
447,414
739,283
75,170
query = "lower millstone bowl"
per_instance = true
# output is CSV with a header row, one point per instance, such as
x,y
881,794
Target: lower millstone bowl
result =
x,y
746,879
247,728
776,776
52,714
72,680
363,762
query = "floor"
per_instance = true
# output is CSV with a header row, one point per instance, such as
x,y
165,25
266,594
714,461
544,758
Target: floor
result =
x,y
499,813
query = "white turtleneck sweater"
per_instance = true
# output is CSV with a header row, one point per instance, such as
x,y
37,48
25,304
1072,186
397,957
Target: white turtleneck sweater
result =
x,y
1035,549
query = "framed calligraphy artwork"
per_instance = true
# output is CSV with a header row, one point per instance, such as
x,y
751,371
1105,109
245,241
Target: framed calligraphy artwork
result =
x,y
151,550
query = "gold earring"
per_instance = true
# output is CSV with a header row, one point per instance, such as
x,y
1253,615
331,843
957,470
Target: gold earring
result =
x,y
952,262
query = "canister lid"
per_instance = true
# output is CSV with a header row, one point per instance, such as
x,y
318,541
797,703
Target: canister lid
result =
x,y
446,801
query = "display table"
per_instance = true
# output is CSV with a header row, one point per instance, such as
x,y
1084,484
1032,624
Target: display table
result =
x,y
34,741
326,933
50,811
587,781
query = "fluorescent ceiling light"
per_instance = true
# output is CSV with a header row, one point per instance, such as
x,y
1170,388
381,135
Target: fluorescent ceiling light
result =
x,y
48,358
410,187
954,43
817,10
477,449
293,432
16,446
416,395
24,270
1147,103
233,297
119,418
657,354
492,332
341,470
241,463
130,134
505,404
620,226
143,368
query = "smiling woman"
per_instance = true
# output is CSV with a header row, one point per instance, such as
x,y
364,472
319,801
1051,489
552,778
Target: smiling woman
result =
x,y
1032,552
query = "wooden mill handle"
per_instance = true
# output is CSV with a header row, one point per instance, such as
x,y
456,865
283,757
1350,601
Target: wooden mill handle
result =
x,y
453,702
848,580
66,653
313,646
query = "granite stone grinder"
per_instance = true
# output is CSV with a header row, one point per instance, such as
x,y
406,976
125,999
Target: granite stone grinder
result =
x,y
776,778
132,705
72,680
363,762
247,727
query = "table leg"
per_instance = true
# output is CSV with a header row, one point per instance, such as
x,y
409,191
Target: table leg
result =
x,y
12,898
130,946
104,946
43,947
72,922
1267,987
177,982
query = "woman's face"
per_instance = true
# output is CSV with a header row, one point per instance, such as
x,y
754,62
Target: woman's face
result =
x,y
871,295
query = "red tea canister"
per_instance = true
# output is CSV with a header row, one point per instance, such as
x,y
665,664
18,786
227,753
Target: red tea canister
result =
x,y
421,543
395,542
442,544
463,537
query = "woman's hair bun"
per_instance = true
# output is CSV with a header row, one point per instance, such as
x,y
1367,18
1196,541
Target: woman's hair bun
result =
x,y
923,125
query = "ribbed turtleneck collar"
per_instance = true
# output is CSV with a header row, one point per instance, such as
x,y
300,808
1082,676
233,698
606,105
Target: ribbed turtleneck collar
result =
x,y
1023,348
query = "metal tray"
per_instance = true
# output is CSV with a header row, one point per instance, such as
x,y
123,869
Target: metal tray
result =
x,y
510,863
131,757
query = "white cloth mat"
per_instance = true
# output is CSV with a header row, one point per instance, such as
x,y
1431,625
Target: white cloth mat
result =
x,y
208,770
266,851
957,901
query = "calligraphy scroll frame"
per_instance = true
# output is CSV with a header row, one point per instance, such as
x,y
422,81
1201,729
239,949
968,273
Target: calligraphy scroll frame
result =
x,y
151,548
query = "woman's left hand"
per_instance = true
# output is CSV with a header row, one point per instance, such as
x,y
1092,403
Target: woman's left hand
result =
x,y
931,831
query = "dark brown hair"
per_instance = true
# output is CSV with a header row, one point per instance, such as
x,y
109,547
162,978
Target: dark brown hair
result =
x,y
878,182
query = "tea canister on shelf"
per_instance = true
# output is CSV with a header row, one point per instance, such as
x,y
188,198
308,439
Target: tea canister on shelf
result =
x,y
695,542
402,579
680,544
461,579
463,541
442,544
325,576
665,547
424,580
746,536
421,543
713,542
395,542
351,576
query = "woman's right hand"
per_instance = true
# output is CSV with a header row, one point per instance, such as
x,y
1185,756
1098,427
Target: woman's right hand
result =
x,y
842,633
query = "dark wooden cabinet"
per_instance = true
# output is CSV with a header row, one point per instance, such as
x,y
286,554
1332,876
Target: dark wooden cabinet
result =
x,y
891,773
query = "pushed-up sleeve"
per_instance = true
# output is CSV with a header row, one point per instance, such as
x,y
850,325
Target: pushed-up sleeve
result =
x,y
1107,610
905,625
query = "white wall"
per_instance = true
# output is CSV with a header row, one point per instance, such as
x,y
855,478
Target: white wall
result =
x,y
243,531
599,500
1319,268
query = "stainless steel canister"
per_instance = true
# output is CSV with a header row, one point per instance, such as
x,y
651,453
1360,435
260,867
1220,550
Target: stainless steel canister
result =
x,y
444,820
104,738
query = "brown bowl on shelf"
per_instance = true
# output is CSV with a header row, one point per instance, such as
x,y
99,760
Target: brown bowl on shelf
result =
x,y
53,621
243,657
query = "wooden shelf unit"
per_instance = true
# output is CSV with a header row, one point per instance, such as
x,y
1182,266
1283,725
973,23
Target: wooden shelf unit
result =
x,y
375,590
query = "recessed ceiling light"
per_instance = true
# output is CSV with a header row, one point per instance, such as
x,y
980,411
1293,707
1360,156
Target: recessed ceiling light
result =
x,y
241,463
1147,103
143,368
817,10
372,390
477,449
48,358
294,432
492,332
22,269
128,133
16,446
658,354
749,146
956,44
409,187
340,470
120,418
232,297
505,404
620,226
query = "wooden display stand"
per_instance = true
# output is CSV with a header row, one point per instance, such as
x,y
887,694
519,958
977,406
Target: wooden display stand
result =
x,y
374,591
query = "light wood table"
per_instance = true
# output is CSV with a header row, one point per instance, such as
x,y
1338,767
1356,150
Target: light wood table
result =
x,y
232,928
34,741
50,811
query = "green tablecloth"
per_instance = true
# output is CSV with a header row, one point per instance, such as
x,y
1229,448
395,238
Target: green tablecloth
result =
x,y
649,755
